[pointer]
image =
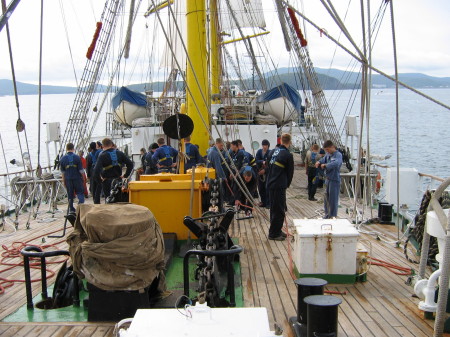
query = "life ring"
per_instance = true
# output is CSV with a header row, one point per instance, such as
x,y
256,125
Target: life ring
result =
x,y
378,183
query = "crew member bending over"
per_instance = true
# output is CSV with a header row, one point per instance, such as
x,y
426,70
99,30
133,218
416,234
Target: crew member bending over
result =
x,y
251,183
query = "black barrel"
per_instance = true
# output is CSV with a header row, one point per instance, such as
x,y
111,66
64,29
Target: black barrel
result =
x,y
307,286
385,212
380,207
322,315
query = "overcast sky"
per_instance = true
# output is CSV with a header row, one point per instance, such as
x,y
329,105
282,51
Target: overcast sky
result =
x,y
422,31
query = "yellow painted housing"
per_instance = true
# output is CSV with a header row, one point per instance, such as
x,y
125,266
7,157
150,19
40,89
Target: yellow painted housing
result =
x,y
168,197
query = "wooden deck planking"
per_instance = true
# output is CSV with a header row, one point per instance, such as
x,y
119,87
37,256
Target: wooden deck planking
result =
x,y
382,306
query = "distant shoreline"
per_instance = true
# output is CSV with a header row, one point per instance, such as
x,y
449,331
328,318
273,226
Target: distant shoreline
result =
x,y
329,79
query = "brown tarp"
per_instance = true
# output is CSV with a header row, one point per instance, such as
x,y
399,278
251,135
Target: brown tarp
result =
x,y
117,246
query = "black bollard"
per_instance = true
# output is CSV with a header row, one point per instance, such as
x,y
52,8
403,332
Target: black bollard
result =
x,y
322,315
385,213
306,286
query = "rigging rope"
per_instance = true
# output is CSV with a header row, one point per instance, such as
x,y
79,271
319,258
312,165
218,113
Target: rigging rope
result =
x,y
356,57
40,91
20,125
63,15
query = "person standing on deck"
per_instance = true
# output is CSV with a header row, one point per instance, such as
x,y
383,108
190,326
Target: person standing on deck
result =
x,y
261,158
215,161
151,168
237,157
331,163
84,164
109,166
73,176
165,157
279,178
193,156
95,186
311,171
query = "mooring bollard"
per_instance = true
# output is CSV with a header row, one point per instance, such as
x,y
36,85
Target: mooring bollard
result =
x,y
306,286
322,315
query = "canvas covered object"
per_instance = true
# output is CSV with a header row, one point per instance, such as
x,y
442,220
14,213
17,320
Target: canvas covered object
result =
x,y
117,246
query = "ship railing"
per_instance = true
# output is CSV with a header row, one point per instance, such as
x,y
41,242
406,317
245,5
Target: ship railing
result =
x,y
22,191
426,181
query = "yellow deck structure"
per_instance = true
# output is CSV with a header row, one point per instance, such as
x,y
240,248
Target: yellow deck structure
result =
x,y
168,197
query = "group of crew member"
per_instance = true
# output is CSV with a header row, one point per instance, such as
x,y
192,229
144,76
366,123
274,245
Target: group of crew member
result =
x,y
104,163
270,172
162,158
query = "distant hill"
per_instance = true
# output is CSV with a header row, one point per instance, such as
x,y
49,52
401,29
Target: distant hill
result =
x,y
7,88
330,79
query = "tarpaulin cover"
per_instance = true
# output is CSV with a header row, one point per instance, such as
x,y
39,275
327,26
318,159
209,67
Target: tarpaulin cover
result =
x,y
117,246
283,90
125,94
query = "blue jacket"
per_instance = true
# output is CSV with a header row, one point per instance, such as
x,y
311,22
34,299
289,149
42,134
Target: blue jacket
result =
x,y
238,159
333,168
261,157
216,162
165,156
71,166
91,160
109,169
281,168
194,157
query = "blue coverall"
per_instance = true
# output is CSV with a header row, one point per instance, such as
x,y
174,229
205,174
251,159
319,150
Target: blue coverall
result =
x,y
332,183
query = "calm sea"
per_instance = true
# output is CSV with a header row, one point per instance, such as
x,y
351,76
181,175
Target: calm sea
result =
x,y
424,126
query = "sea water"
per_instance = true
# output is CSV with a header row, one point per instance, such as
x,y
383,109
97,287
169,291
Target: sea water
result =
x,y
424,126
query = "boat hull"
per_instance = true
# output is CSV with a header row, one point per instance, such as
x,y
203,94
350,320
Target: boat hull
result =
x,y
280,108
127,112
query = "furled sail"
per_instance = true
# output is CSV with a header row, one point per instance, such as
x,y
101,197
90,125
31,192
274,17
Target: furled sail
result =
x,y
177,58
248,13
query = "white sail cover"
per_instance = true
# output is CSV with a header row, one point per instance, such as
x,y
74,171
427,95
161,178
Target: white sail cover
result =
x,y
248,13
169,59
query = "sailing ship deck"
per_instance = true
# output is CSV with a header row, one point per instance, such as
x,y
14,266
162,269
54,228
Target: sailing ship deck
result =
x,y
381,306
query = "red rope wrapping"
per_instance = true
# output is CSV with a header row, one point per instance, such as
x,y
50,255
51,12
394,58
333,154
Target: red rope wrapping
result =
x,y
94,41
298,31
391,267
13,253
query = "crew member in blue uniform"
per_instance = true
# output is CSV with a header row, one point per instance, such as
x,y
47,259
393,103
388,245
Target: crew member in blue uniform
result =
x,y
150,167
279,178
248,157
216,159
73,176
261,159
165,157
91,160
251,183
331,163
237,157
109,167
192,153
312,156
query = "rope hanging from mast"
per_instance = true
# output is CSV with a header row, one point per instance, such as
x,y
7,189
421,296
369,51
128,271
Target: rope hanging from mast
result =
x,y
20,125
39,169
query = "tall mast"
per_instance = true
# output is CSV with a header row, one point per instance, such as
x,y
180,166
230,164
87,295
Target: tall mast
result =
x,y
197,72
214,41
